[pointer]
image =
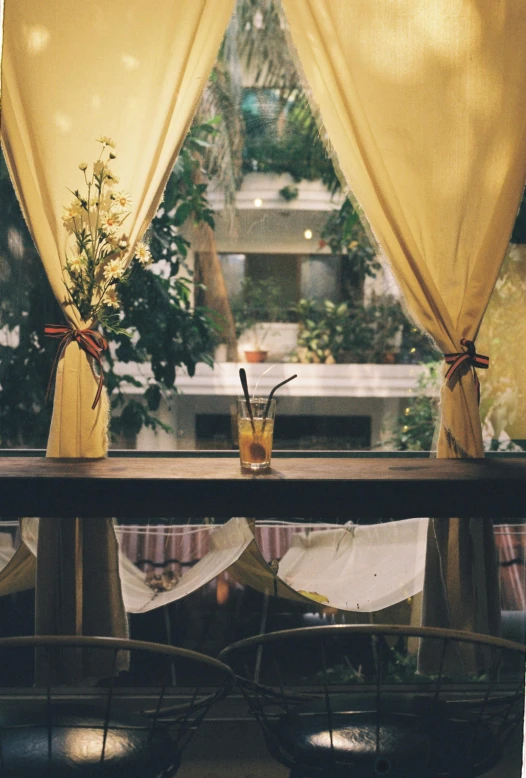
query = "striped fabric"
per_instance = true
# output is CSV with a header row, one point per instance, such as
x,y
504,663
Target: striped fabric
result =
x,y
159,545
510,540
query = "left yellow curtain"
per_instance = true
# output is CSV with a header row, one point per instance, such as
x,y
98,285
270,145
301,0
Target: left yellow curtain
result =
x,y
73,71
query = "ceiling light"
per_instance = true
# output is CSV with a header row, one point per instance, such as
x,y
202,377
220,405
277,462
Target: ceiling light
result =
x,y
258,203
307,234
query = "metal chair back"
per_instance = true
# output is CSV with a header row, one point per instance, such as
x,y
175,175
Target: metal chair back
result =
x,y
367,700
132,724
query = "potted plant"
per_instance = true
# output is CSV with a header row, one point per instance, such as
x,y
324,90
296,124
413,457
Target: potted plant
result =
x,y
322,331
255,310
375,331
349,332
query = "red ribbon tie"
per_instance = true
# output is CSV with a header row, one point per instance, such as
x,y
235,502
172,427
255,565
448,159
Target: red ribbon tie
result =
x,y
471,357
90,341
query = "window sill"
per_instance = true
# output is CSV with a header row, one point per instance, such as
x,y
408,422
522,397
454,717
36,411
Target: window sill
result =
x,y
335,487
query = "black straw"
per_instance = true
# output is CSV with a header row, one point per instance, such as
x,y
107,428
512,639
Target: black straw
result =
x,y
270,398
244,384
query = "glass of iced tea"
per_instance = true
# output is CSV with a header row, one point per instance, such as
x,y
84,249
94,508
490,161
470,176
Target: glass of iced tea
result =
x,y
255,435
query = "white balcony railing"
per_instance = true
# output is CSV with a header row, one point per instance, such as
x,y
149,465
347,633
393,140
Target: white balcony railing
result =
x,y
312,380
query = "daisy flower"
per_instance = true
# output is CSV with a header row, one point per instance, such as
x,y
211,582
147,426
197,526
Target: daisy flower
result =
x,y
75,264
111,298
122,201
143,255
114,269
110,175
109,222
106,141
72,211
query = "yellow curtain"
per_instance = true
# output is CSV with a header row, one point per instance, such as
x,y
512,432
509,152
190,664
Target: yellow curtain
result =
x,y
73,71
423,103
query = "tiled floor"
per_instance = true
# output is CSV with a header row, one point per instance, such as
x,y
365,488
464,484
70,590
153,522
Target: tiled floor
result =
x,y
236,749
229,749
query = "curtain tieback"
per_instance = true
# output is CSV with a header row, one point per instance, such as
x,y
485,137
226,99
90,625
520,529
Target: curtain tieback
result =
x,y
90,341
471,357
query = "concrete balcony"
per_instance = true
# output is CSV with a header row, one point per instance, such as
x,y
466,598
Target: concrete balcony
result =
x,y
312,381
266,222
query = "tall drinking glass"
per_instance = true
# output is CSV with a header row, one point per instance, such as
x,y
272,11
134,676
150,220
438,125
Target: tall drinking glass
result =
x,y
255,435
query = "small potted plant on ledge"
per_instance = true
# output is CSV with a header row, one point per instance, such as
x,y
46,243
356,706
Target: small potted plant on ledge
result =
x,y
256,310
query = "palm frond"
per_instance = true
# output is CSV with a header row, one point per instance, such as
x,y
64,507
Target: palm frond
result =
x,y
263,47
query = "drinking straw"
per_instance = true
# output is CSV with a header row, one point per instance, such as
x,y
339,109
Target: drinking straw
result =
x,y
244,384
267,406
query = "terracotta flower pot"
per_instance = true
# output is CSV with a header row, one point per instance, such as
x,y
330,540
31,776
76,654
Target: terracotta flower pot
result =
x,y
256,356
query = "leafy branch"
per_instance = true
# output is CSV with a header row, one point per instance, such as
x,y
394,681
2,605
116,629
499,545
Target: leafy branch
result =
x,y
156,308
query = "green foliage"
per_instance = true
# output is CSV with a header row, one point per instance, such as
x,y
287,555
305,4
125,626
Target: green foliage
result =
x,y
26,364
416,426
25,355
503,397
282,137
183,199
342,672
167,335
331,332
322,332
414,429
262,45
398,666
289,193
156,308
376,330
416,346
259,302
345,235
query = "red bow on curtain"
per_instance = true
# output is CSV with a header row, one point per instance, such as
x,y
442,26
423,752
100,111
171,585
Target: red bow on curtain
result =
x,y
90,341
471,357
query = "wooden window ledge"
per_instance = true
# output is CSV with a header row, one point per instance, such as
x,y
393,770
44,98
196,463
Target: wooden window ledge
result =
x,y
332,488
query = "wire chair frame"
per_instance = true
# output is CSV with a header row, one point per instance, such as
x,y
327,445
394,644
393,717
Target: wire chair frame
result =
x,y
475,702
148,714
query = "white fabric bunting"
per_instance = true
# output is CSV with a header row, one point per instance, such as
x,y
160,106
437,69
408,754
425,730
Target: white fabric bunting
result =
x,y
227,544
361,568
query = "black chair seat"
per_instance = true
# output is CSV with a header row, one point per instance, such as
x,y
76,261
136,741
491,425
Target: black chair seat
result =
x,y
71,743
397,742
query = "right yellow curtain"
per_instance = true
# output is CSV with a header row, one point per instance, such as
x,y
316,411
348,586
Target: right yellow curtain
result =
x,y
423,103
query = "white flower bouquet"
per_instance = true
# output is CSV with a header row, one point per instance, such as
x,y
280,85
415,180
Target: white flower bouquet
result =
x,y
99,261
